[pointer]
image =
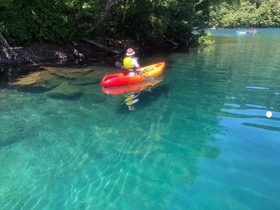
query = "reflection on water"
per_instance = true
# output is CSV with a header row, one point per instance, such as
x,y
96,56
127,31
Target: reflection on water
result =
x,y
131,92
199,135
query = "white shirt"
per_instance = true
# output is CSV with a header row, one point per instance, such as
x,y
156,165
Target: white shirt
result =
x,y
135,62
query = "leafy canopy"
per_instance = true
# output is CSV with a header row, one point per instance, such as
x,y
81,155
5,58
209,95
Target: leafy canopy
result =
x,y
147,21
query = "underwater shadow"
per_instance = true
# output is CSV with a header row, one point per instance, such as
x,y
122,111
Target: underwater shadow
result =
x,y
146,98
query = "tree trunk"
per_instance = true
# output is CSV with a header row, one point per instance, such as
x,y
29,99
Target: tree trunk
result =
x,y
6,48
4,41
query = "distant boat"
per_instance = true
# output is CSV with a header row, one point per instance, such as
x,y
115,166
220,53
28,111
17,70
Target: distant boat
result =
x,y
248,32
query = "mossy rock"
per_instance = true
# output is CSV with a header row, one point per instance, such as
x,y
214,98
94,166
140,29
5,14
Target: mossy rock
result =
x,y
41,79
66,91
94,77
68,73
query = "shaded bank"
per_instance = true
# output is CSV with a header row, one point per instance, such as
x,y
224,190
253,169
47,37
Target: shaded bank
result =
x,y
16,61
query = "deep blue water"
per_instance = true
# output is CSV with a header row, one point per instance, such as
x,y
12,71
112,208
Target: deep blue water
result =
x,y
200,140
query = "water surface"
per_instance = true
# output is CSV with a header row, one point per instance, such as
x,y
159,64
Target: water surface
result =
x,y
199,140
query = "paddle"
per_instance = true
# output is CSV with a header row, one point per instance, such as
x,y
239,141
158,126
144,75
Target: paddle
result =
x,y
148,78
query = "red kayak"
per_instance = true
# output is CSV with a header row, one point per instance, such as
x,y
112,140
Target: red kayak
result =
x,y
120,79
137,87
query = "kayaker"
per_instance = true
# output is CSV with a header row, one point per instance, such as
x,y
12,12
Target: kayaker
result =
x,y
130,62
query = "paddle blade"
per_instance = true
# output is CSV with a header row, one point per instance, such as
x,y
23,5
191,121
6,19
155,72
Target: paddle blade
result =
x,y
118,64
150,79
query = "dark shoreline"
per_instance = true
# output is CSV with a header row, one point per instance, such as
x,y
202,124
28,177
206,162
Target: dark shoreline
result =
x,y
29,59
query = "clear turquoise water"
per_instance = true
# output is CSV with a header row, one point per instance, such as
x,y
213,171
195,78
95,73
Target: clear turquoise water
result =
x,y
200,140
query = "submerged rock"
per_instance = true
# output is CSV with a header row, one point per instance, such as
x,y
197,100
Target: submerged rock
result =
x,y
80,76
68,73
64,83
65,91
36,79
90,78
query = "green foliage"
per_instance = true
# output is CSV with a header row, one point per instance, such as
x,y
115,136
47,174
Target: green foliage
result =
x,y
152,21
204,38
46,20
12,23
249,13
147,21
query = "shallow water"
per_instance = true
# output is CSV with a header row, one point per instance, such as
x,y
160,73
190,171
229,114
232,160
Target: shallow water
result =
x,y
199,140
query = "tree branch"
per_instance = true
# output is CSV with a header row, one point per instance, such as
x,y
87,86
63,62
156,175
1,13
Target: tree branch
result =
x,y
100,46
109,4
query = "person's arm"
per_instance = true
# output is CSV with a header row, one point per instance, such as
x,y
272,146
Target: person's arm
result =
x,y
135,64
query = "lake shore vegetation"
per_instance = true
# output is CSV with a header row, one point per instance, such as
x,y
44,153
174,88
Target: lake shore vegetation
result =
x,y
248,13
40,30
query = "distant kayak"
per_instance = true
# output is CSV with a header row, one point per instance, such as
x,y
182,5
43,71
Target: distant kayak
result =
x,y
251,32
150,72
